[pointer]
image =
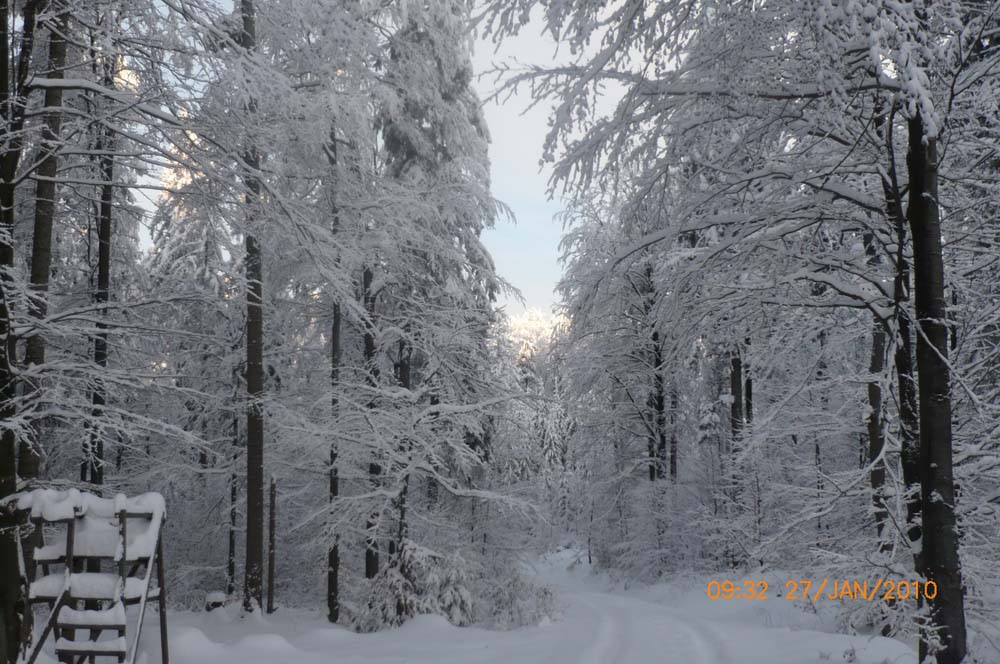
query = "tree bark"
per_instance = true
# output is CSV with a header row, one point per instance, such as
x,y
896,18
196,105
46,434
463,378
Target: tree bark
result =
x,y
254,570
333,555
272,524
93,460
876,432
374,469
874,420
903,346
231,530
406,382
12,105
673,430
658,440
736,390
41,239
747,388
939,553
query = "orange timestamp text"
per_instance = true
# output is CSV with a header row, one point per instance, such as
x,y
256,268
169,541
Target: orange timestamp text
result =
x,y
829,589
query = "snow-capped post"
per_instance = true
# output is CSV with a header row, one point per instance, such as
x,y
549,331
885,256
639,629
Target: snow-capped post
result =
x,y
271,519
161,598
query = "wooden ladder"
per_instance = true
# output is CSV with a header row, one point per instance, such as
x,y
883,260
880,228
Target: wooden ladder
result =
x,y
99,561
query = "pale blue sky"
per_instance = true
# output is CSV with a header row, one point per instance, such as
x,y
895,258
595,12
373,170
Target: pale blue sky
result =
x,y
526,253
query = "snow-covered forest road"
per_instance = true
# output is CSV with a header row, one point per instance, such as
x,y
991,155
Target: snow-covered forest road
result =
x,y
596,625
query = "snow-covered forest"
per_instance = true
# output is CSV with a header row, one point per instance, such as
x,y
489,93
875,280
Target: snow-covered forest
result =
x,y
244,265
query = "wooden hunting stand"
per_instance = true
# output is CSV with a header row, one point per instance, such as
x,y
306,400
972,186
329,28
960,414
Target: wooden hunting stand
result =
x,y
98,560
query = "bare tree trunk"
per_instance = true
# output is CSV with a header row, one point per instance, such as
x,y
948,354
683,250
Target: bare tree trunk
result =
x,y
92,469
333,556
658,440
747,388
874,420
30,449
254,571
406,382
821,370
736,390
673,430
12,98
272,524
903,347
374,469
233,498
939,554
404,375
41,239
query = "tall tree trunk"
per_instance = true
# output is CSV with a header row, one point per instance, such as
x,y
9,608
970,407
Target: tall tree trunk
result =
x,y
673,430
906,385
254,570
12,98
93,461
374,469
658,439
736,390
406,382
333,555
41,239
821,370
728,462
233,498
747,388
939,553
404,375
272,525
30,448
874,420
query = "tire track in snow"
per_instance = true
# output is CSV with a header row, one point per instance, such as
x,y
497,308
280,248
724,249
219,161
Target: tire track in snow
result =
x,y
710,642
634,631
607,642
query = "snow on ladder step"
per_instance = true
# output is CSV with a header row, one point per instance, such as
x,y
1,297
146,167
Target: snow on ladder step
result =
x,y
100,538
92,538
55,505
85,585
111,618
111,647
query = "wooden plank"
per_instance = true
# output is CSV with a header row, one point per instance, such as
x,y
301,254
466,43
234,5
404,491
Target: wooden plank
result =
x,y
49,624
161,596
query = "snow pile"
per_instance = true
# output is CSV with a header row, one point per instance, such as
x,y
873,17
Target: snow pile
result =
x,y
115,615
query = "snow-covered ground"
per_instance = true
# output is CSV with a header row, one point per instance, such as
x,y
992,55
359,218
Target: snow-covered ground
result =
x,y
598,623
